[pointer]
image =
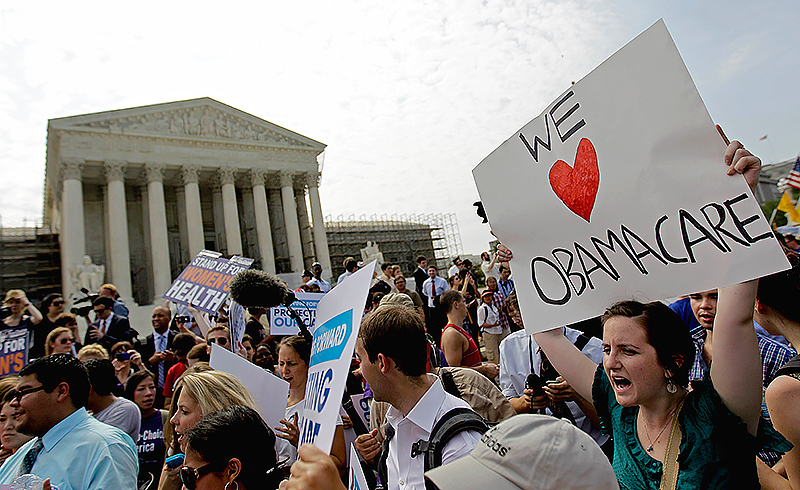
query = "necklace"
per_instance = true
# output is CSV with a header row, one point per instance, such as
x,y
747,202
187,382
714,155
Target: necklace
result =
x,y
647,432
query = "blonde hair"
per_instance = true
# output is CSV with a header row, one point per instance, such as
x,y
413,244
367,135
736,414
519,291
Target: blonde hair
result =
x,y
51,339
13,293
92,351
211,390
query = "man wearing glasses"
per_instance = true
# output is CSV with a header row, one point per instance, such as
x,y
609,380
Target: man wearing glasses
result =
x,y
108,328
71,448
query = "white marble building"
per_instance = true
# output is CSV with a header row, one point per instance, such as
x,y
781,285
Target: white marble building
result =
x,y
140,191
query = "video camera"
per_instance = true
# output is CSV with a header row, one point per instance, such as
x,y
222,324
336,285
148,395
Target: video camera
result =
x,y
84,310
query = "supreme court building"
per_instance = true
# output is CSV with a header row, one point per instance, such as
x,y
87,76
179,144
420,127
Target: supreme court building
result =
x,y
135,193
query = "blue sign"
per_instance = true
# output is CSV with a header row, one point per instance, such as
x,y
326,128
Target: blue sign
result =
x,y
330,338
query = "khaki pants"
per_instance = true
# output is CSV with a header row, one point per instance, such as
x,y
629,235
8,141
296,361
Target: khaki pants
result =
x,y
492,343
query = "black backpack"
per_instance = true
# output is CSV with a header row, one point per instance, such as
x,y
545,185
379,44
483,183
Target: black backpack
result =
x,y
453,422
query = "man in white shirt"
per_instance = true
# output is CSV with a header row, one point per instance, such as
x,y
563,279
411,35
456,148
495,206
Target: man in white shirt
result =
x,y
489,265
520,356
456,268
432,288
316,269
393,351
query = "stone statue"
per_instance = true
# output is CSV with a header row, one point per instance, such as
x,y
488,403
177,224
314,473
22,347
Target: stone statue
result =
x,y
88,275
372,252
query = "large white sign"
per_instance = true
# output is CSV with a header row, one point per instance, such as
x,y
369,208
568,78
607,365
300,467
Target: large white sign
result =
x,y
268,390
305,304
357,480
618,190
338,321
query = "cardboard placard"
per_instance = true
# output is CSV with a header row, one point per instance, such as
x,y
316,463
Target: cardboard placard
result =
x,y
204,283
268,390
14,350
618,190
280,323
338,318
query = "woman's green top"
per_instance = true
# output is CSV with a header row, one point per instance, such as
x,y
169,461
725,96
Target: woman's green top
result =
x,y
716,449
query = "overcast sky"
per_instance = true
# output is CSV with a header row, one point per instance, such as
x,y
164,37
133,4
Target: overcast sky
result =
x,y
409,96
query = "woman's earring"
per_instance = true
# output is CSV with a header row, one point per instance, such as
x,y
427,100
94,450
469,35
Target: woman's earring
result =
x,y
672,388
235,483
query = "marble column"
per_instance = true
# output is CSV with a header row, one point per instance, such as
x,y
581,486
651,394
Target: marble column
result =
x,y
72,234
263,229
233,235
290,217
159,243
119,249
320,238
194,214
219,218
306,239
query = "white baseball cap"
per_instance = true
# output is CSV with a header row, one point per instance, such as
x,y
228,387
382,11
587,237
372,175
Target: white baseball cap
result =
x,y
530,452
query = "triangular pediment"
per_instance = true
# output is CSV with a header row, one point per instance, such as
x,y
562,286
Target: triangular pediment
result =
x,y
204,119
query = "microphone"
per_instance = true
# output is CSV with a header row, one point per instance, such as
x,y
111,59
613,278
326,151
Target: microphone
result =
x,y
257,289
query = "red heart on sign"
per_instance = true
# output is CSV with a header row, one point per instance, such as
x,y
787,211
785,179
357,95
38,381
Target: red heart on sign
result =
x,y
577,186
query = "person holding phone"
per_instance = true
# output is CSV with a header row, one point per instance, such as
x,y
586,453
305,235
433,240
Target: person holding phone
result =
x,y
125,360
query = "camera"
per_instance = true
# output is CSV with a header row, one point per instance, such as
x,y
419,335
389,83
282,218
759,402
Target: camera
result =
x,y
5,312
82,311
183,319
123,356
534,382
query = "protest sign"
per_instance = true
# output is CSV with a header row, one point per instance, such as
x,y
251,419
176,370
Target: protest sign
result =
x,y
618,189
268,390
338,321
357,479
305,304
204,282
362,406
237,323
14,355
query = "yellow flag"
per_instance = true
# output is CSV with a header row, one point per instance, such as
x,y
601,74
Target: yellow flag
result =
x,y
787,207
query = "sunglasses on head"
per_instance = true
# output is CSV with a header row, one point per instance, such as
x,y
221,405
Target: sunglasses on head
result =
x,y
189,476
218,340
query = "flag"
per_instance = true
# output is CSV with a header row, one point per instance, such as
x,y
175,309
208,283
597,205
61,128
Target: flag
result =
x,y
762,138
794,176
787,207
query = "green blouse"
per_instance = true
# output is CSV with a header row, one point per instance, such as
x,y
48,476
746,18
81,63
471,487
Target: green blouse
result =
x,y
716,449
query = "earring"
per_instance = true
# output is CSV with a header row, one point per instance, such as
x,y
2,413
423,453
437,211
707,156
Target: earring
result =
x,y
234,482
672,388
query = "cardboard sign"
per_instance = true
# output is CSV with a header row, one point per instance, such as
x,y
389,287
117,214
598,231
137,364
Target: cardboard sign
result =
x,y
14,353
362,406
268,390
618,190
280,323
204,282
237,323
357,479
338,318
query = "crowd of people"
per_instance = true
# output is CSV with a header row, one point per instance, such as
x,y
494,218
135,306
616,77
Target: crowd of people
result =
x,y
699,393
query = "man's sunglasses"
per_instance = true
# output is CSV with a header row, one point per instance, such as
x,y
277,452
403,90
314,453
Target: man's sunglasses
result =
x,y
189,476
218,340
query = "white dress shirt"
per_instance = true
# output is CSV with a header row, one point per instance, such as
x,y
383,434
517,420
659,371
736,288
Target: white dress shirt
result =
x,y
441,286
405,472
515,366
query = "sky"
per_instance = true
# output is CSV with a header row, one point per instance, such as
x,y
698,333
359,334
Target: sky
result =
x,y
409,96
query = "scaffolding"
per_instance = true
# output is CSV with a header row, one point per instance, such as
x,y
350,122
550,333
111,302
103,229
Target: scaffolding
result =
x,y
30,260
401,238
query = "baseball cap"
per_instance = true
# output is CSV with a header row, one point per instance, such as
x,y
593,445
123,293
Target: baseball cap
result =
x,y
530,452
487,293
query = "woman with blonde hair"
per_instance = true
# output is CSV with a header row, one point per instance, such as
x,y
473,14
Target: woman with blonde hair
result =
x,y
92,351
197,394
59,341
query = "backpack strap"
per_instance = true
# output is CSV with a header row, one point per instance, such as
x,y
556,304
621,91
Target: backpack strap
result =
x,y
453,422
448,383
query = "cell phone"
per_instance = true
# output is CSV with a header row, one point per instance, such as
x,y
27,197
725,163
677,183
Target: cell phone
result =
x,y
534,382
183,319
174,461
123,356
